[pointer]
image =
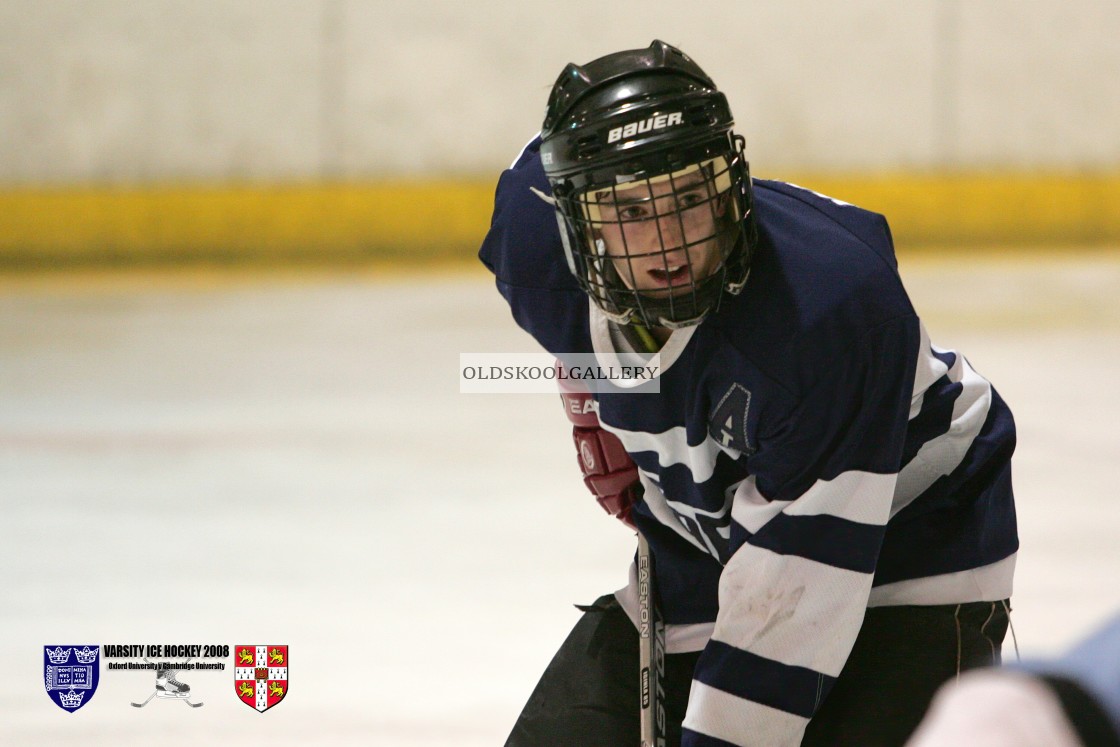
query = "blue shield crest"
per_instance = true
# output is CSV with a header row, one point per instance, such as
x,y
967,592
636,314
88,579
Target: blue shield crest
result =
x,y
71,674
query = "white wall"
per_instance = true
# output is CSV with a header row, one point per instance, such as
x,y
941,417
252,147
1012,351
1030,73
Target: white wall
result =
x,y
158,90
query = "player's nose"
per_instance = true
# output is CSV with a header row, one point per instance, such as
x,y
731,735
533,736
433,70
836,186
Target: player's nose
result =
x,y
670,232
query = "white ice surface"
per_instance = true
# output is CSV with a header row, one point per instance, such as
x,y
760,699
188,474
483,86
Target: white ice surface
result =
x,y
279,460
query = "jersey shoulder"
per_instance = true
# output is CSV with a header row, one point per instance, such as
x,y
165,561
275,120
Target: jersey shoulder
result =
x,y
523,247
524,251
790,210
823,276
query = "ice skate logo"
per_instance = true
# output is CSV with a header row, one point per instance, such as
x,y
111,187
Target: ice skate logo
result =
x,y
260,678
169,686
70,686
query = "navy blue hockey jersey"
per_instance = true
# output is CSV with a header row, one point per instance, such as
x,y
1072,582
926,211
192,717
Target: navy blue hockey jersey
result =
x,y
811,452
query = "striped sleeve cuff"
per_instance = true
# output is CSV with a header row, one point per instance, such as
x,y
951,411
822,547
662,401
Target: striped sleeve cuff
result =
x,y
717,719
793,689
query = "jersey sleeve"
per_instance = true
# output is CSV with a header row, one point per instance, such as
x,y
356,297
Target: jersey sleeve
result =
x,y
806,529
524,251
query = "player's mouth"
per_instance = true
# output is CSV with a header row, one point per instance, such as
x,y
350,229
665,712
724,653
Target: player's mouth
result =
x,y
669,277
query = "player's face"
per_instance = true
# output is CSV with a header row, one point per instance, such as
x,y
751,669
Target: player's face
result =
x,y
662,235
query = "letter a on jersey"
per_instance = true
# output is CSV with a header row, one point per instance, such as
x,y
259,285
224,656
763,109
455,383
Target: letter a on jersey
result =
x,y
260,675
728,424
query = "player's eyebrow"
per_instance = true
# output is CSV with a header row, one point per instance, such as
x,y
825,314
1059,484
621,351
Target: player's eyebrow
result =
x,y
687,183
609,199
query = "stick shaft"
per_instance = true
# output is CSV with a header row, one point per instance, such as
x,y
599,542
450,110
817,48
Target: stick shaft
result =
x,y
651,651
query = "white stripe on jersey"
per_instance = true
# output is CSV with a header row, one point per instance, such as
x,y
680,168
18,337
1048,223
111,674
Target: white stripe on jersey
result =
x,y
672,447
943,454
988,583
851,495
751,510
730,718
771,604
928,370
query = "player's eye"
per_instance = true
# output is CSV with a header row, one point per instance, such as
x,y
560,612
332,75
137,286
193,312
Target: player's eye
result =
x,y
691,199
633,212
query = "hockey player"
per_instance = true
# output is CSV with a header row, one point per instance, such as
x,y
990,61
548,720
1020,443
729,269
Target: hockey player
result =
x,y
825,493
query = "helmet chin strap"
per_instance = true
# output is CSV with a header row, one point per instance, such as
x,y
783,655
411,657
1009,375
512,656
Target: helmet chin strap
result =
x,y
624,317
682,323
646,337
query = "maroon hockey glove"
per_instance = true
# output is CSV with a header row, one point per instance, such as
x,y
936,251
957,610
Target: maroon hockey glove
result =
x,y
608,471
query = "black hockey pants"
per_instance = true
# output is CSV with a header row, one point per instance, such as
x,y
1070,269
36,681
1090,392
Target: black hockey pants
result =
x,y
588,695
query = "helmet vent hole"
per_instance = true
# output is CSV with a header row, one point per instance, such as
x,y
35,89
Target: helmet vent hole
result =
x,y
702,114
588,146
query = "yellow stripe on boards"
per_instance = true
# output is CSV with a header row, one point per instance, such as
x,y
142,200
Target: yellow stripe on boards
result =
x,y
316,222
981,210
415,221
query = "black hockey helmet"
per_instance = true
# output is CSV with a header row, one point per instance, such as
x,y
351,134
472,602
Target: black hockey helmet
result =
x,y
651,186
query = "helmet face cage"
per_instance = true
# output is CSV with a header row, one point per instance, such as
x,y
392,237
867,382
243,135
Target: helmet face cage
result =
x,y
660,249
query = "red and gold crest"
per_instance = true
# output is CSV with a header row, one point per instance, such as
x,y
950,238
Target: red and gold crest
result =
x,y
260,675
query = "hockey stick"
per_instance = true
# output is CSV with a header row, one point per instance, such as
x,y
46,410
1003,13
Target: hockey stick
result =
x,y
651,652
141,705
